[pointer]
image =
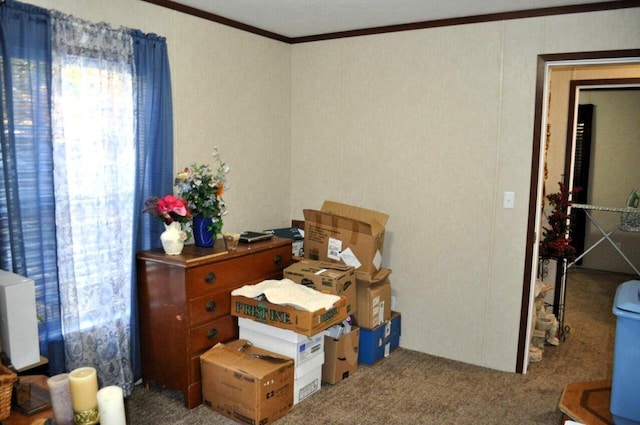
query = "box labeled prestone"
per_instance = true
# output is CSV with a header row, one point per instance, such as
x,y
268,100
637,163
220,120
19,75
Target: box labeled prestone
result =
x,y
377,343
340,356
288,317
246,383
373,300
345,234
330,278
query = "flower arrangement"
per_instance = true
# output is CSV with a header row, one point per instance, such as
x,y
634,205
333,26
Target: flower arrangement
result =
x,y
555,241
169,209
202,189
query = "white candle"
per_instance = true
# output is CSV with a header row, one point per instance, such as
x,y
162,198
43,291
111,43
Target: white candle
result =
x,y
83,383
61,399
111,406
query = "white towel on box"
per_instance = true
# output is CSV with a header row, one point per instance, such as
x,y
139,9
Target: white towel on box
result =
x,y
287,292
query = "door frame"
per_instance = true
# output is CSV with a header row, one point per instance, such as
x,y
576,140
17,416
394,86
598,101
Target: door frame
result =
x,y
544,64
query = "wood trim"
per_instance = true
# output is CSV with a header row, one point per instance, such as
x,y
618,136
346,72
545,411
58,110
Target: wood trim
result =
x,y
574,85
543,60
217,18
530,13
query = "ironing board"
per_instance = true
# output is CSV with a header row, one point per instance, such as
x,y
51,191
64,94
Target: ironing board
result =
x,y
629,222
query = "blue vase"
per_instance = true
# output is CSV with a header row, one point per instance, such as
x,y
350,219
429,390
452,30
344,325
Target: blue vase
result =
x,y
201,235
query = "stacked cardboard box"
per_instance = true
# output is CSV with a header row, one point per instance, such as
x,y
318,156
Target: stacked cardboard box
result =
x,y
326,277
379,326
341,351
341,354
307,353
246,383
354,236
290,331
345,234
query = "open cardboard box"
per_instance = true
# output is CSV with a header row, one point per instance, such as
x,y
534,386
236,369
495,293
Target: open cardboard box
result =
x,y
345,234
246,383
341,356
288,317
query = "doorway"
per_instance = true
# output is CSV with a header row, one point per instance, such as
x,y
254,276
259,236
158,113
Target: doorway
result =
x,y
596,61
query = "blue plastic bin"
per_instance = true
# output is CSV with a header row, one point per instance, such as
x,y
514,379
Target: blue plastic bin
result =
x,y
625,383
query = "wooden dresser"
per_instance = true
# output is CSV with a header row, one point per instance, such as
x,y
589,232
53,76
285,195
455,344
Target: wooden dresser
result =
x,y
184,305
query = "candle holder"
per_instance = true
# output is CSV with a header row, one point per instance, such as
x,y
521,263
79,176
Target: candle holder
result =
x,y
87,417
83,383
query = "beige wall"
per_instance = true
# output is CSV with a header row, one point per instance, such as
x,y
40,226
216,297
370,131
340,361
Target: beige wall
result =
x,y
429,126
432,126
231,89
615,172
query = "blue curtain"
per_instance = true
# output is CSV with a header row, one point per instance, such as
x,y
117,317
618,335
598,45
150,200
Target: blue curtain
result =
x,y
27,208
154,144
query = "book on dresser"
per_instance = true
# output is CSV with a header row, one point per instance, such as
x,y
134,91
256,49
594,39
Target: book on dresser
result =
x,y
184,305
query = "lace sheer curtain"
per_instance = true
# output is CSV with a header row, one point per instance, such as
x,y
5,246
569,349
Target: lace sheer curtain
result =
x,y
93,124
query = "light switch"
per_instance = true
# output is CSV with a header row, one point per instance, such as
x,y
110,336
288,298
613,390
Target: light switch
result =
x,y
509,200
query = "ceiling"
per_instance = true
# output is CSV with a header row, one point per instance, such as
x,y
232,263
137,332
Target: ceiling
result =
x,y
293,19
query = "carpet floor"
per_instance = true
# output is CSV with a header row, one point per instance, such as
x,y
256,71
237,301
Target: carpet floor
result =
x,y
409,387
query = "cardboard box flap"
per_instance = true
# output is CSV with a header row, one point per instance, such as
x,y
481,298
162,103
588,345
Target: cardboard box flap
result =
x,y
377,219
340,222
322,265
380,276
248,359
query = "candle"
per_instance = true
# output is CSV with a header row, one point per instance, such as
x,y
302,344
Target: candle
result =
x,y
61,399
111,406
83,383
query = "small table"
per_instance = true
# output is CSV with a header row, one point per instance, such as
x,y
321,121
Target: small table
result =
x,y
18,418
587,402
605,235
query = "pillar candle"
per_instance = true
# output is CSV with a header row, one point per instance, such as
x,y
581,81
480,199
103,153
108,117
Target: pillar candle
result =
x,y
61,399
83,383
111,406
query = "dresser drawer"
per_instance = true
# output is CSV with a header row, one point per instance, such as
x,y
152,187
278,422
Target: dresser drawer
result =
x,y
210,306
209,334
270,262
212,277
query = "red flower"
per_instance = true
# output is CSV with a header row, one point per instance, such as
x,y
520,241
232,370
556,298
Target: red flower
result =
x,y
168,209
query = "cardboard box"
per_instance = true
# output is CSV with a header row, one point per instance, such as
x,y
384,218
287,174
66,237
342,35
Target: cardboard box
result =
x,y
288,317
373,300
377,343
345,234
299,347
340,356
294,233
330,278
307,353
244,388
307,379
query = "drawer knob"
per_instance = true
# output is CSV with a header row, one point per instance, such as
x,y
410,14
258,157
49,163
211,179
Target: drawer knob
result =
x,y
277,259
210,277
211,306
212,333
